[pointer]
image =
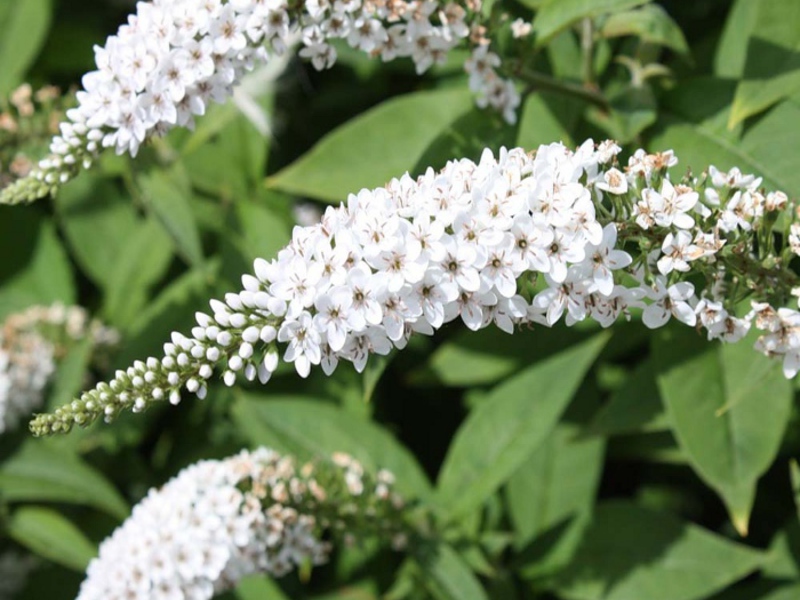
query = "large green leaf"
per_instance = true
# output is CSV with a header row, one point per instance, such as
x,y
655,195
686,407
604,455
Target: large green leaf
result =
x,y
557,481
147,256
98,221
167,195
376,146
309,428
772,67
694,125
728,407
39,473
635,407
449,574
555,15
502,432
40,271
48,534
549,496
629,552
23,27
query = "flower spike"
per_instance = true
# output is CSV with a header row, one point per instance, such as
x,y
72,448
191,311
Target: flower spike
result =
x,y
517,238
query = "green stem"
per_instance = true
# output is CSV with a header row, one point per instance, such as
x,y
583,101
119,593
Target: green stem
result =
x,y
546,82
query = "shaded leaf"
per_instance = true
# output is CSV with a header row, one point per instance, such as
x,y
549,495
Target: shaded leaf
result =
x,y
40,272
479,357
651,23
503,431
98,222
147,256
635,407
549,496
632,552
167,195
451,577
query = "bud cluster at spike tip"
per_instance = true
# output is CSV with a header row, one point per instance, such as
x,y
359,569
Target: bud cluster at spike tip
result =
x,y
175,57
218,521
514,239
31,342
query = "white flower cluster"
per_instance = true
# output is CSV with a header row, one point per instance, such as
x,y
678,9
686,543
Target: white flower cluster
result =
x,y
174,57
218,521
14,571
515,239
30,343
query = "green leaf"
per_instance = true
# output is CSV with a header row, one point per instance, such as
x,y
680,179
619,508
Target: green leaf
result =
x,y
651,23
97,221
635,407
259,587
549,496
771,68
557,481
172,310
50,535
23,28
167,195
309,429
467,137
783,556
731,52
146,258
451,577
263,231
473,358
728,407
540,122
761,590
226,155
40,272
502,432
70,375
556,15
631,552
40,473
694,125
633,109
376,146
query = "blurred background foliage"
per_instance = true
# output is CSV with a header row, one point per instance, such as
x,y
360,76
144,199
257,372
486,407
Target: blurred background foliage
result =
x,y
566,463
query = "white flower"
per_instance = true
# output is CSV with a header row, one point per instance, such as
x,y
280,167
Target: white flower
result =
x,y
669,302
304,342
219,521
614,182
678,251
604,258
